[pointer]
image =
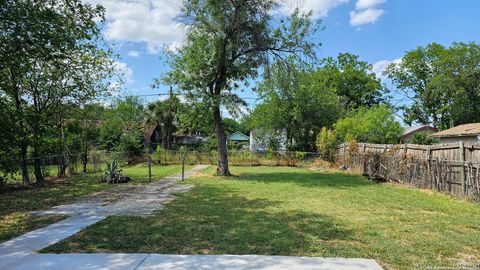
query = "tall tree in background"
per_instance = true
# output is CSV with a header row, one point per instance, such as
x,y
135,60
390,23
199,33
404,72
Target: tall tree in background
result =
x,y
353,80
165,113
51,54
299,101
227,42
441,83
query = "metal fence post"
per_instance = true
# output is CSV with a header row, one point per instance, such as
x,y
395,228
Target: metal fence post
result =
x,y
149,165
183,168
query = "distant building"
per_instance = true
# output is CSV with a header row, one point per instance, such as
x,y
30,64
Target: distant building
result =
x,y
238,137
261,140
152,135
469,133
409,132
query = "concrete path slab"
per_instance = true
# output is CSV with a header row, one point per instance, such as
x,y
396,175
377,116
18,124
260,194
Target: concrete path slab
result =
x,y
23,246
247,262
78,262
186,262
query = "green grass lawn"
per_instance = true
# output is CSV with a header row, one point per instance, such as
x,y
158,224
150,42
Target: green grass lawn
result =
x,y
15,206
290,211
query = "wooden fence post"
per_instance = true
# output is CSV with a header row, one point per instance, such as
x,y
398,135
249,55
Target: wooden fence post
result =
x,y
462,158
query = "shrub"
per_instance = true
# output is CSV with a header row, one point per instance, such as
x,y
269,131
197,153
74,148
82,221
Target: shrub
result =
x,y
131,144
114,174
423,138
327,142
373,125
159,154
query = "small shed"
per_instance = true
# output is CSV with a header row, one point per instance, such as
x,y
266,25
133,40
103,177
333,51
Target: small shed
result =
x,y
238,137
409,132
469,133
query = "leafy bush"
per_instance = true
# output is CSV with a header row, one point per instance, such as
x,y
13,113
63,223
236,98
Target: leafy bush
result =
x,y
131,144
372,125
327,142
423,138
159,154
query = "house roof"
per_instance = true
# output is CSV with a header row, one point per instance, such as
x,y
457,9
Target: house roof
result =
x,y
238,136
472,129
410,130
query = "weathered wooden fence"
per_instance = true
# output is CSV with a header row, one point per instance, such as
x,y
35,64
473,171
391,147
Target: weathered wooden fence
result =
x,y
452,168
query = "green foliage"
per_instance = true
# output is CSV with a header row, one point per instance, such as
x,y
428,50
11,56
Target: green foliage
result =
x,y
296,100
327,142
159,154
183,152
8,141
52,57
230,125
166,114
121,128
442,82
353,80
114,174
374,125
131,144
423,138
226,45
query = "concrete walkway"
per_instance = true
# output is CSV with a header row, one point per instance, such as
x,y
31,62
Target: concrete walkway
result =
x,y
183,262
140,200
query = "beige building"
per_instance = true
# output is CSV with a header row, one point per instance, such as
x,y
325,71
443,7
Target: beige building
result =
x,y
468,133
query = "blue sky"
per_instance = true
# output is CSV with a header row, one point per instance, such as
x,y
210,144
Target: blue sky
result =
x,y
379,31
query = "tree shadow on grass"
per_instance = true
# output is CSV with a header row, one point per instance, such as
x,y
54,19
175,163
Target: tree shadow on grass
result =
x,y
210,220
308,179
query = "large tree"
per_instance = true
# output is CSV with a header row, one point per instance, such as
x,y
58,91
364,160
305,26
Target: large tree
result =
x,y
51,55
353,79
227,42
442,84
296,100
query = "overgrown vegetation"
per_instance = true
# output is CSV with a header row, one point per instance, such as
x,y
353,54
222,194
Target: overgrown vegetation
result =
x,y
300,212
374,125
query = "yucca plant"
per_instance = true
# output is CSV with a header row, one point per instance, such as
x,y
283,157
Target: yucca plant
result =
x,y
114,173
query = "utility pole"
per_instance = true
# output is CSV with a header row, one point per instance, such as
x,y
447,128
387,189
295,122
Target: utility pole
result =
x,y
170,120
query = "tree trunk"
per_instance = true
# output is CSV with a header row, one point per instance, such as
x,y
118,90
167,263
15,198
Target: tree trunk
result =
x,y
222,166
23,154
37,166
85,161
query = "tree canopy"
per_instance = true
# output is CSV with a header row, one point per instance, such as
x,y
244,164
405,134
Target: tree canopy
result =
x,y
372,125
52,56
441,84
226,44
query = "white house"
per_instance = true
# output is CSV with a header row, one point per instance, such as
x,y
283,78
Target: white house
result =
x,y
261,140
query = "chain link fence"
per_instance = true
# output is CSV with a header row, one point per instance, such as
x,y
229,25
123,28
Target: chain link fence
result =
x,y
95,161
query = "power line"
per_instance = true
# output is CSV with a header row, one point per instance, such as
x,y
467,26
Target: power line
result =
x,y
178,94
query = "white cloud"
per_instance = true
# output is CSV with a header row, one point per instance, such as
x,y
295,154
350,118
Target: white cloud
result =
x,y
133,53
380,66
149,21
319,8
366,12
366,16
364,4
123,71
